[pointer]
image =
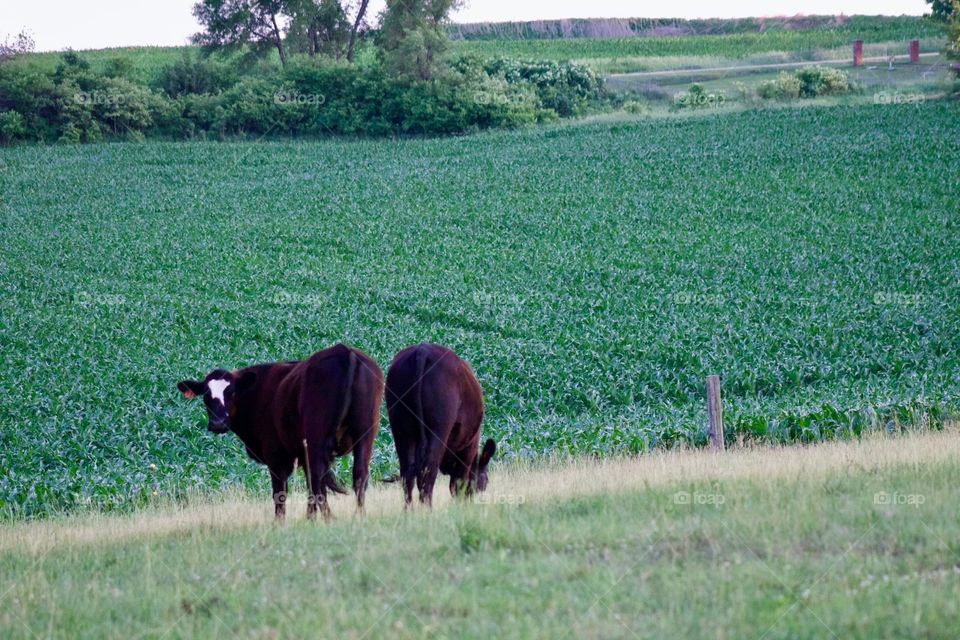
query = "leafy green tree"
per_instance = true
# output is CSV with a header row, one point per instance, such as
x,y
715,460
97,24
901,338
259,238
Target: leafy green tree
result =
x,y
949,12
232,24
412,36
943,9
319,27
953,44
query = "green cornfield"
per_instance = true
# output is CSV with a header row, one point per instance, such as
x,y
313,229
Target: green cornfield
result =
x,y
592,273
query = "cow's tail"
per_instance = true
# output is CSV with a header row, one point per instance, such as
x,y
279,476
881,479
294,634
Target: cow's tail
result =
x,y
331,483
421,453
330,480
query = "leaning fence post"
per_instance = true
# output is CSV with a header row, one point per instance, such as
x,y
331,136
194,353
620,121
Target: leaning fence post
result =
x,y
858,53
715,413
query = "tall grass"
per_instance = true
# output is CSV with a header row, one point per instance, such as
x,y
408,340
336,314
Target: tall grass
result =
x,y
849,539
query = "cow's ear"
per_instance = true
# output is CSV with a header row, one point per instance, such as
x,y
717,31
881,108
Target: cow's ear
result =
x,y
245,382
191,388
489,447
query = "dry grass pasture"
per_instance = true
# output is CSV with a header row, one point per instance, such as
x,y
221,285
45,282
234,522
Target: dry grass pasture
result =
x,y
844,539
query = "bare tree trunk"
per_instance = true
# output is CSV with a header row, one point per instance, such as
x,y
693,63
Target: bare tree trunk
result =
x,y
313,39
356,25
278,40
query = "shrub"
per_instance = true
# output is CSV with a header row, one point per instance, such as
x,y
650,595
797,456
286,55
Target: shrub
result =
x,y
73,103
74,116
743,92
124,107
697,97
493,101
189,75
823,81
200,110
33,95
250,107
70,134
565,87
324,99
12,126
809,82
784,87
118,67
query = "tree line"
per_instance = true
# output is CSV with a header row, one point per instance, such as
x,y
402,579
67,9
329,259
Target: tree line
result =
x,y
411,37
294,67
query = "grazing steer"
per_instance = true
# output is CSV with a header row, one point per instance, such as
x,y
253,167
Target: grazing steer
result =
x,y
435,406
331,400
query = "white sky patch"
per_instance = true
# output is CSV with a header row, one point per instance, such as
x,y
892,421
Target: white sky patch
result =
x,y
217,387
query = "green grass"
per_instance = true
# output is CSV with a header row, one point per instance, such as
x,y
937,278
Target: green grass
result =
x,y
593,274
632,64
608,51
930,77
147,62
862,544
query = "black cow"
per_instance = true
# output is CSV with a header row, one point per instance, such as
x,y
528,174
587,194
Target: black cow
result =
x,y
435,405
331,400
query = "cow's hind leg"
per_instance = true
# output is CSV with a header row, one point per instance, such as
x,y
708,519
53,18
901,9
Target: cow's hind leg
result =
x,y
279,477
317,481
406,433
438,418
427,475
318,460
361,471
407,453
425,481
320,402
363,420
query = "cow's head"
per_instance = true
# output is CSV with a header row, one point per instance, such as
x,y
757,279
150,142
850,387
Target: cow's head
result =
x,y
219,391
478,474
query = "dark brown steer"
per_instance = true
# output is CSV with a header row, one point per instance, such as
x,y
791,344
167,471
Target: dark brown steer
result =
x,y
435,406
331,400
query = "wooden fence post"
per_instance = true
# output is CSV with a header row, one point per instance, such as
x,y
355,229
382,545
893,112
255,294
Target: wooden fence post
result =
x,y
715,413
914,51
858,53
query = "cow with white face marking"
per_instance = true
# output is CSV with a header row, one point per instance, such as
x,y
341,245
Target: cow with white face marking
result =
x,y
331,401
214,391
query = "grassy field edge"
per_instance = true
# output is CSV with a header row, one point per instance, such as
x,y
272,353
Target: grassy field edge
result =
x,y
845,539
514,483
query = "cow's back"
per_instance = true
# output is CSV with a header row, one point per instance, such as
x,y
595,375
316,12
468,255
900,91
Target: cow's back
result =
x,y
430,379
261,430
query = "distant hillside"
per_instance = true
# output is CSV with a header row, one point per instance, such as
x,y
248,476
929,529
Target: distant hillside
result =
x,y
624,27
